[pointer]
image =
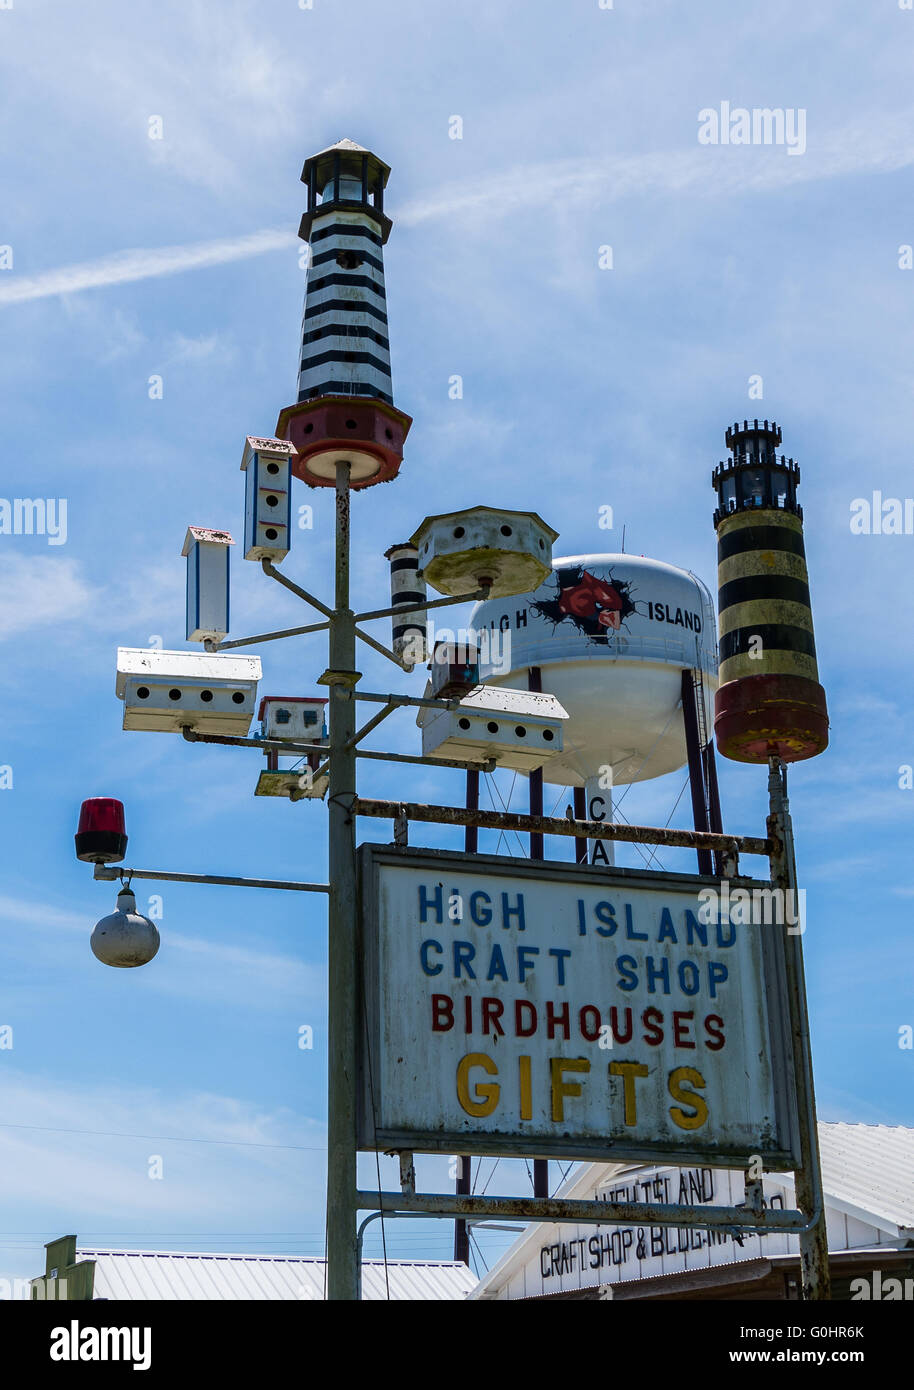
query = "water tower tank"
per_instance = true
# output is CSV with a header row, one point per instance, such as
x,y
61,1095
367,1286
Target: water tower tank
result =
x,y
611,636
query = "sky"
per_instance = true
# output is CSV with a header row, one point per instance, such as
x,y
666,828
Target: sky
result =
x,y
125,257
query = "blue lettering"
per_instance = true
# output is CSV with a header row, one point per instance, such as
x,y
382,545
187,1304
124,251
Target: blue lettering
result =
x,y
629,926
560,955
497,965
717,973
508,912
667,931
425,902
464,951
423,957
657,972
686,966
481,916
604,913
627,967
695,928
523,964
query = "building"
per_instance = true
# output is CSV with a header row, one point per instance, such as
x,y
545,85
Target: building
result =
x,y
184,1276
868,1175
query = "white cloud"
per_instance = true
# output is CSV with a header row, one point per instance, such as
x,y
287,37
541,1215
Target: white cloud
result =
x,y
37,589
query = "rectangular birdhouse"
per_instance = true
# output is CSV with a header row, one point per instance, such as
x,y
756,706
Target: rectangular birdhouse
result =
x,y
299,718
267,468
520,729
207,555
168,691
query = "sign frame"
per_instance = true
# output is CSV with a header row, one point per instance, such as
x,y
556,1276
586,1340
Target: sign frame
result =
x,y
773,997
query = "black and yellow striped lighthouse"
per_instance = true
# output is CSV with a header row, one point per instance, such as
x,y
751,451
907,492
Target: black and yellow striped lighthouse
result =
x,y
769,702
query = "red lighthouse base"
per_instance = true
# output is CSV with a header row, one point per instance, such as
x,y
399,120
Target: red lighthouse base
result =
x,y
761,717
365,432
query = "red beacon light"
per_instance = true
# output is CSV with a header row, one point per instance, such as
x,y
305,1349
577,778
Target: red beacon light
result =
x,y
100,836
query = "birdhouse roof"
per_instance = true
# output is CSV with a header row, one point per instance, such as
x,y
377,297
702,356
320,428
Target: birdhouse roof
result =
x,y
204,533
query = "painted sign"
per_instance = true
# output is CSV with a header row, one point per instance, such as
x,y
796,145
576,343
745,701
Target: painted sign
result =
x,y
539,1008
608,1254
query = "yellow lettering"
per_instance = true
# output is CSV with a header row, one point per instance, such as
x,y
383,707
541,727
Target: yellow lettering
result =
x,y
678,1092
628,1071
526,1088
561,1088
473,1105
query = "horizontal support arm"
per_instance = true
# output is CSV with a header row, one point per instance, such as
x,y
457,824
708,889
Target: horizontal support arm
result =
x,y
110,872
420,701
477,596
266,745
488,766
731,845
591,1213
270,569
266,637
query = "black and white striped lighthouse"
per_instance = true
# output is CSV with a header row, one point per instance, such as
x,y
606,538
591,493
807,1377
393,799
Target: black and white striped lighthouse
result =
x,y
769,702
345,410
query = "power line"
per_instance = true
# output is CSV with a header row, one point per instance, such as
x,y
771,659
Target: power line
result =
x,y
169,1138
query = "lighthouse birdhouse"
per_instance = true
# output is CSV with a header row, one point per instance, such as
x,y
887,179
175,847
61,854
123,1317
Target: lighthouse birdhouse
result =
x,y
207,555
266,464
769,702
345,410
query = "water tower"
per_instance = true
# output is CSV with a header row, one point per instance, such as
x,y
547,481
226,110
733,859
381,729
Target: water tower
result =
x,y
628,647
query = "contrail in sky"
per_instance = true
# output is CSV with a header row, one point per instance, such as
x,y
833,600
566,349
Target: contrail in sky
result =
x,y
143,263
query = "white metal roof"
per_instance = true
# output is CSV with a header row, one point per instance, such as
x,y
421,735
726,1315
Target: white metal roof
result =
x,y
182,1275
867,1172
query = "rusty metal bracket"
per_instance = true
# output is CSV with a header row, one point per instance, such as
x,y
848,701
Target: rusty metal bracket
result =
x,y
729,845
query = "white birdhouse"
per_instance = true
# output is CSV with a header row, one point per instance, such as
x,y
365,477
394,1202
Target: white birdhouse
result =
x,y
167,691
267,468
459,551
298,718
520,728
207,583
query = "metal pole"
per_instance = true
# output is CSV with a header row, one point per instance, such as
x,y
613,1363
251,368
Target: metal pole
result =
x,y
537,851
814,1271
342,1244
461,1229
580,813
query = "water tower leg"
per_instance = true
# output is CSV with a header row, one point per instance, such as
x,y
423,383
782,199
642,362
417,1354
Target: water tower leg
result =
x,y
580,813
696,767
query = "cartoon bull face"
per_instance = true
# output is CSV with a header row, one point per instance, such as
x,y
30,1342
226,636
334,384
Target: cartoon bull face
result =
x,y
596,606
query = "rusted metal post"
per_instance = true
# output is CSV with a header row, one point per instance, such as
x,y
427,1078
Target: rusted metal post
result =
x,y
461,1229
814,1271
580,813
537,851
342,1139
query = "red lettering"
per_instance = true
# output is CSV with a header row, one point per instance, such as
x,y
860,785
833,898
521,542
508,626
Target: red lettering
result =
x,y
492,1010
561,1019
653,1035
468,1013
591,1032
520,1005
614,1025
714,1027
681,1028
442,1013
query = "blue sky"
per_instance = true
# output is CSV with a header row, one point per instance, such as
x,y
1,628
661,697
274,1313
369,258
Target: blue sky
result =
x,y
583,387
